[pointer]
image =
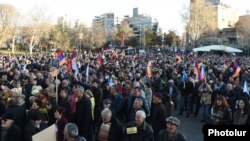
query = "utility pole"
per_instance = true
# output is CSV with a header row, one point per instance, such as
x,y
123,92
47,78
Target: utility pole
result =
x,y
140,38
144,43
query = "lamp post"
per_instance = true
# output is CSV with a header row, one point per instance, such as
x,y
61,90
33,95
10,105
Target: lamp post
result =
x,y
80,37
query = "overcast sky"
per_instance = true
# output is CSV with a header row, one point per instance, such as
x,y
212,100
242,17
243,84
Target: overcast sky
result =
x,y
167,12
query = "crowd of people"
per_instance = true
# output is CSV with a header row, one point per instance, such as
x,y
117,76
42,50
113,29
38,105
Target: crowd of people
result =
x,y
114,98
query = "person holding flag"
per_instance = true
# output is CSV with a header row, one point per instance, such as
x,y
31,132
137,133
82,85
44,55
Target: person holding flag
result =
x,y
187,92
236,69
60,57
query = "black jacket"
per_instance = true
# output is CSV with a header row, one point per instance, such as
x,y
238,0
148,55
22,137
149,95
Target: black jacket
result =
x,y
31,130
163,136
13,133
159,115
83,115
144,133
115,131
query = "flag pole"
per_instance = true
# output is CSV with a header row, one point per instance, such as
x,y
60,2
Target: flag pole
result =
x,y
56,88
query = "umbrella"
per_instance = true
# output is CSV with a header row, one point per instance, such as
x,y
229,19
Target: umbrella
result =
x,y
218,48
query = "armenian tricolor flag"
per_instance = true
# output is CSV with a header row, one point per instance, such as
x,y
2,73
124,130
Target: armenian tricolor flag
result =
x,y
61,58
197,69
236,69
99,60
178,56
72,63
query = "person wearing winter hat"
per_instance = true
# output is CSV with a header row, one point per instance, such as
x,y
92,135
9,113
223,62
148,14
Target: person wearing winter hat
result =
x,y
171,133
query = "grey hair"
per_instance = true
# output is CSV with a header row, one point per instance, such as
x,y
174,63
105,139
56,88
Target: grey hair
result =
x,y
81,88
106,111
71,129
140,101
141,113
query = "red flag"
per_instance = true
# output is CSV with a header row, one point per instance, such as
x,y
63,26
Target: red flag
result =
x,y
122,39
73,54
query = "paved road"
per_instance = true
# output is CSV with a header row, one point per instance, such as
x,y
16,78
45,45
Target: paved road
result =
x,y
191,127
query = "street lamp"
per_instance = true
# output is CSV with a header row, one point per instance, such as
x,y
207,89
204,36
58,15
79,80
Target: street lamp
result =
x,y
80,37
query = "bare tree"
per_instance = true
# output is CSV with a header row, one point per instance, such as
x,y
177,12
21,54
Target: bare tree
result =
x,y
97,37
60,37
124,28
8,22
37,26
199,19
80,36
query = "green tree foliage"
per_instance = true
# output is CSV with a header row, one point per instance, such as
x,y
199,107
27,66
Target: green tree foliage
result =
x,y
171,39
151,38
132,41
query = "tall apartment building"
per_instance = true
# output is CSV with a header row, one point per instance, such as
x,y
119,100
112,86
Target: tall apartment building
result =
x,y
140,22
105,21
225,15
70,22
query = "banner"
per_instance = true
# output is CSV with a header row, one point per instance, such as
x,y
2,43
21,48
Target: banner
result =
x,y
48,134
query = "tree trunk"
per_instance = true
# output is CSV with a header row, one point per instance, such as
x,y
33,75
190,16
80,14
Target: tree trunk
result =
x,y
31,45
30,49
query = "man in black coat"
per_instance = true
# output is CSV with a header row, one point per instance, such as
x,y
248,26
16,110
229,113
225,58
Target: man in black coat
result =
x,y
9,131
83,114
159,113
139,130
34,126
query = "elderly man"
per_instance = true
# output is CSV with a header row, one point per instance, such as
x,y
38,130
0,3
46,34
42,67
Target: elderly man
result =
x,y
83,115
71,133
137,94
139,130
171,133
110,129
